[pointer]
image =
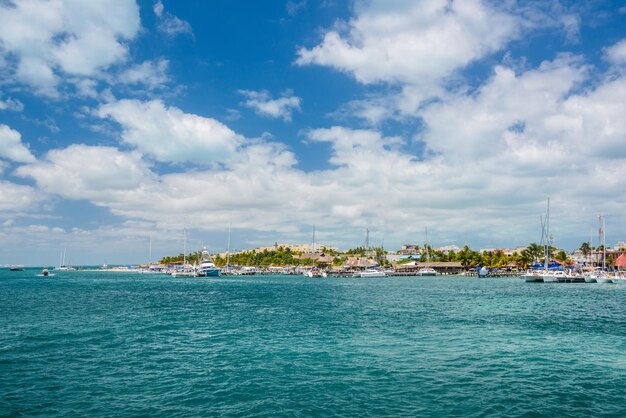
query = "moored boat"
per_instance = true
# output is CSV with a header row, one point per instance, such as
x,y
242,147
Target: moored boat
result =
x,y
370,272
207,267
532,276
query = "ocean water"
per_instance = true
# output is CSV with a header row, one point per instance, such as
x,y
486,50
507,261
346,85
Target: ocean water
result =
x,y
105,344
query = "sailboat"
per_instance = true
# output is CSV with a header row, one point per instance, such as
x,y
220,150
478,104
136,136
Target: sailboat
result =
x,y
186,270
151,269
602,276
543,276
315,271
548,276
62,266
373,271
427,270
228,253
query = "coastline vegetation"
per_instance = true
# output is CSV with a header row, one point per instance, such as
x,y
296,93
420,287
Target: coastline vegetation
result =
x,y
284,256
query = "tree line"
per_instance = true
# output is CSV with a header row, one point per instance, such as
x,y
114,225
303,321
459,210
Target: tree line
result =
x,y
284,256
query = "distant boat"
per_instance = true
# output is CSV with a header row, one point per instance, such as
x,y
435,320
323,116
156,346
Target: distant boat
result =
x,y
315,272
207,267
370,272
16,268
45,272
62,266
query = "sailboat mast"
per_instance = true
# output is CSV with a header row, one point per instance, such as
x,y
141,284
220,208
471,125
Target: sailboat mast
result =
x,y
427,251
149,250
313,239
547,234
184,247
602,240
367,242
228,249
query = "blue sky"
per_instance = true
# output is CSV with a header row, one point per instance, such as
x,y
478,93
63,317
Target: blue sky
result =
x,y
125,120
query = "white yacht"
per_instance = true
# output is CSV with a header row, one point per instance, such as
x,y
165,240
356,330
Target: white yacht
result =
x,y
207,267
556,275
532,276
370,272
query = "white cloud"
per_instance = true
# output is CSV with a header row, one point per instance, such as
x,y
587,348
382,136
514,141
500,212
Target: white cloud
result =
x,y
51,39
150,73
462,127
11,104
85,172
419,43
169,23
169,135
17,197
263,104
11,146
616,54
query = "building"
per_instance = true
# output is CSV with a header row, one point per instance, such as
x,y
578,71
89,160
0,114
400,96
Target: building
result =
x,y
409,249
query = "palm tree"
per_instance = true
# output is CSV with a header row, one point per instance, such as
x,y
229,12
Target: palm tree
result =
x,y
465,257
536,251
585,248
525,258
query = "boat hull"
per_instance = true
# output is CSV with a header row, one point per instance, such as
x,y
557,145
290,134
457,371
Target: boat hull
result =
x,y
209,273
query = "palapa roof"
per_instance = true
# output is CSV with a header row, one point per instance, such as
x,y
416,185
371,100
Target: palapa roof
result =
x,y
359,262
324,258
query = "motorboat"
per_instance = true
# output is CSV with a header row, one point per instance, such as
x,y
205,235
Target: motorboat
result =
x,y
427,271
532,276
370,272
315,272
207,267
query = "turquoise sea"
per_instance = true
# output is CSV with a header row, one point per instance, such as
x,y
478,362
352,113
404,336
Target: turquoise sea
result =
x,y
106,344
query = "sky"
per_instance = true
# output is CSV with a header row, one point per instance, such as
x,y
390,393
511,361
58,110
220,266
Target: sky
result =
x,y
128,125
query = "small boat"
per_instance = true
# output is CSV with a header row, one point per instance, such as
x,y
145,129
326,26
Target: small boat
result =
x,y
315,272
370,272
16,268
45,272
427,271
532,276
186,272
557,276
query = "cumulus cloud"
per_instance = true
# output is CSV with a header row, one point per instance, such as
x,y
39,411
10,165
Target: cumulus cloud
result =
x,y
89,172
169,135
170,24
264,105
11,146
412,42
44,40
17,197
